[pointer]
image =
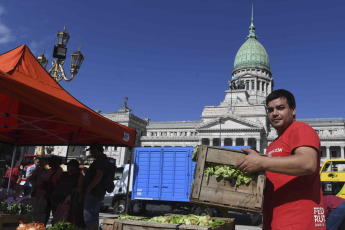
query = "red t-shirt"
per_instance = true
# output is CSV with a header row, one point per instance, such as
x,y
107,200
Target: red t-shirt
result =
x,y
15,175
293,202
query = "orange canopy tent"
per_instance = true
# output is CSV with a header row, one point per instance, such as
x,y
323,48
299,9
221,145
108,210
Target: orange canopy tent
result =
x,y
36,110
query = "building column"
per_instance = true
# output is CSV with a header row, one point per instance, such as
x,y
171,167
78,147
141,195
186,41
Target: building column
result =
x,y
245,141
233,142
328,154
259,82
342,152
258,145
222,142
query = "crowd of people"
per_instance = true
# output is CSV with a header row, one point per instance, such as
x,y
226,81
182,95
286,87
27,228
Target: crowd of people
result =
x,y
83,190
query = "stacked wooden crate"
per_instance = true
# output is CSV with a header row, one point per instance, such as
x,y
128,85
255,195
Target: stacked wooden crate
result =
x,y
142,225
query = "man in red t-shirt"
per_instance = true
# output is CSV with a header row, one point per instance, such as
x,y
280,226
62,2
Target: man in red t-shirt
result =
x,y
15,178
293,195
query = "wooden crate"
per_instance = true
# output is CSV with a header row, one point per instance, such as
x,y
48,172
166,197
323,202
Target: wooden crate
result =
x,y
225,193
11,221
142,225
108,223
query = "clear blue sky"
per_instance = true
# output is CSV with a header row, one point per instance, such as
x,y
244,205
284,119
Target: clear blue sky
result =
x,y
173,57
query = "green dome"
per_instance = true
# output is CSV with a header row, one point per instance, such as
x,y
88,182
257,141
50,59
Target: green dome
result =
x,y
251,53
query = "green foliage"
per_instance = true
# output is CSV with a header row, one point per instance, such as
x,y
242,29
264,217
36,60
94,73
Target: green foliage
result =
x,y
64,226
195,151
227,172
14,208
223,172
128,217
180,219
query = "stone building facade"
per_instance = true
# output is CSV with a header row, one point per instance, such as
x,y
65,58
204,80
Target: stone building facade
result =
x,y
239,120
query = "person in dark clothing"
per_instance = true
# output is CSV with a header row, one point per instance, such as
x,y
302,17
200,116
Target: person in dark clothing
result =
x,y
70,184
93,187
49,182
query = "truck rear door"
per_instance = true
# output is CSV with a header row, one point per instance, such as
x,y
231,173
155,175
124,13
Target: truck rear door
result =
x,y
163,173
176,174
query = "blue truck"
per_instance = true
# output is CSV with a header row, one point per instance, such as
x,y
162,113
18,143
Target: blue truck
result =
x,y
160,182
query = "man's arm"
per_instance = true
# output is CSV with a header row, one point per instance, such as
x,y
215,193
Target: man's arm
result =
x,y
17,173
96,179
29,172
302,162
19,179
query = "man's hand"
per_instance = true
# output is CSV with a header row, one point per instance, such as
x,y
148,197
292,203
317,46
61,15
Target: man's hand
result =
x,y
250,163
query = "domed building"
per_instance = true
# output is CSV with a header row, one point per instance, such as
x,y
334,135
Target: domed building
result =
x,y
240,119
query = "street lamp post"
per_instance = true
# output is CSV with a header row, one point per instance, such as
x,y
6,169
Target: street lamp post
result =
x,y
60,50
57,71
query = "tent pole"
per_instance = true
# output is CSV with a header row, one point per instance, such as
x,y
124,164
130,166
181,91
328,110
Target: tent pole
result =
x,y
129,179
67,154
12,163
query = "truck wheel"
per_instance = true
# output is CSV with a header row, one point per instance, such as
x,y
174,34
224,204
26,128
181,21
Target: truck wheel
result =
x,y
119,207
200,211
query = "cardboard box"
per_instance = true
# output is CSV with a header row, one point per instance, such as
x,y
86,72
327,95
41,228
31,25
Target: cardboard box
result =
x,y
224,193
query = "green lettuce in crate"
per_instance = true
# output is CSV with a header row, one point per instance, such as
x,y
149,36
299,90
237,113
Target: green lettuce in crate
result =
x,y
227,172
223,172
180,219
64,226
14,208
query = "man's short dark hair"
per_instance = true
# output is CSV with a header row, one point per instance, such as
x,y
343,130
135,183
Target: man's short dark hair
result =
x,y
73,163
95,146
282,93
54,161
37,158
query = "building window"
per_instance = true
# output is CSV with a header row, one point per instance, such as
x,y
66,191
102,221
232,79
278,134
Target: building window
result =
x,y
227,142
323,152
263,87
239,142
330,132
253,85
247,85
252,143
205,141
216,142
